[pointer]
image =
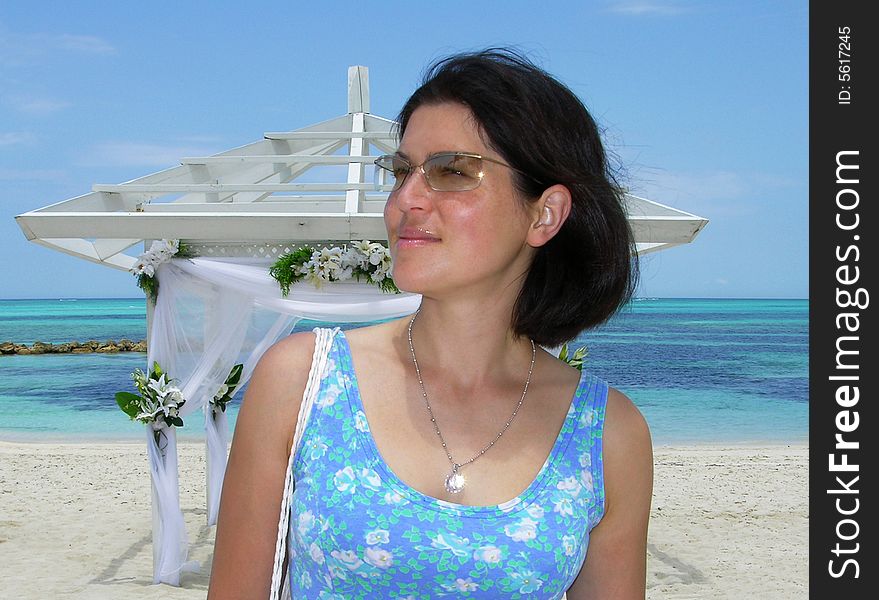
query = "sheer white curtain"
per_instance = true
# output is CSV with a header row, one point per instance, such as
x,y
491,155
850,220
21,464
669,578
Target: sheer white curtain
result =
x,y
210,315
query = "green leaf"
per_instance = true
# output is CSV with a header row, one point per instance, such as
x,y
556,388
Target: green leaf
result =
x,y
577,359
129,403
235,375
563,353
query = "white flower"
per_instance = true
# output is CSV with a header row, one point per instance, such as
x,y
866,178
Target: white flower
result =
x,y
586,478
224,389
370,479
488,554
524,530
393,498
378,557
360,422
306,522
570,485
345,480
535,511
347,558
564,506
378,536
569,543
363,246
160,251
317,555
585,460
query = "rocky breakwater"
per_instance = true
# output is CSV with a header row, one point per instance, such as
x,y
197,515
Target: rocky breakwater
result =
x,y
91,346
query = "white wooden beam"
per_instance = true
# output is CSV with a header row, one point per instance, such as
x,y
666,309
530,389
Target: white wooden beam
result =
x,y
355,170
358,89
229,188
255,226
335,159
327,135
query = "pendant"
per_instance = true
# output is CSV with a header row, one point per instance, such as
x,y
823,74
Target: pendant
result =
x,y
455,481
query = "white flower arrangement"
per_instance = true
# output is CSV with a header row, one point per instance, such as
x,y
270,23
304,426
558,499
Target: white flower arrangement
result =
x,y
159,400
363,260
227,389
161,251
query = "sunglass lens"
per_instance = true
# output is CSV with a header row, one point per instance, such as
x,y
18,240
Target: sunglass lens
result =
x,y
453,172
390,170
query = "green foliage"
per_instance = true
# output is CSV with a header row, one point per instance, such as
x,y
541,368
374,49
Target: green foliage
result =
x,y
129,403
576,359
295,266
228,389
286,268
150,284
159,399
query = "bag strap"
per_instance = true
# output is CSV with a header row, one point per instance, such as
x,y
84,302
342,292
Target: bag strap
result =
x,y
322,345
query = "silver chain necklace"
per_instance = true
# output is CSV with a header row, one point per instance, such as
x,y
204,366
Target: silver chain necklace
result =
x,y
455,481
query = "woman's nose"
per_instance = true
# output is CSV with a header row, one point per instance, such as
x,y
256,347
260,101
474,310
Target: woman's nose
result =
x,y
414,192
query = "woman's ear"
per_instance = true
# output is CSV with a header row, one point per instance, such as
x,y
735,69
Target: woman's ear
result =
x,y
549,214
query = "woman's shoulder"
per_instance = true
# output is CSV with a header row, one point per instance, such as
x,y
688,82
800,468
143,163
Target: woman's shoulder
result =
x,y
274,392
624,419
627,446
378,342
284,361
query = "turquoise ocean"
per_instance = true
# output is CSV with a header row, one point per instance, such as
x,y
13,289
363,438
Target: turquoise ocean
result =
x,y
732,371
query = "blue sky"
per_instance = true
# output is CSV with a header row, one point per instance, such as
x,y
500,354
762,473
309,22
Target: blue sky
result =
x,y
705,103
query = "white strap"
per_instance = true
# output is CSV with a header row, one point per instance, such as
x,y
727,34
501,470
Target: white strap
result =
x,y
322,344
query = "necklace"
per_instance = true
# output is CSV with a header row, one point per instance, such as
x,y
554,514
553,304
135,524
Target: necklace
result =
x,y
455,481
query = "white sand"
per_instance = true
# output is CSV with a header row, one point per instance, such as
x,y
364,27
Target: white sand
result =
x,y
75,519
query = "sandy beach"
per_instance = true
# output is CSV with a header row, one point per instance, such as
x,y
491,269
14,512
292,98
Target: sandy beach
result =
x,y
75,522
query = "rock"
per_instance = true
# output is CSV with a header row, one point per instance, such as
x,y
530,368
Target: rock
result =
x,y
107,347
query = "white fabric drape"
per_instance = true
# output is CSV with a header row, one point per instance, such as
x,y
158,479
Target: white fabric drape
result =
x,y
210,315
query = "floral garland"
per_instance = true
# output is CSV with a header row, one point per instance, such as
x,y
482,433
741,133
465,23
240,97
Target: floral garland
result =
x,y
158,402
228,389
363,260
144,268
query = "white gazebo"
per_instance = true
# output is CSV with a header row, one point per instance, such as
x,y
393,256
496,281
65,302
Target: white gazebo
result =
x,y
237,212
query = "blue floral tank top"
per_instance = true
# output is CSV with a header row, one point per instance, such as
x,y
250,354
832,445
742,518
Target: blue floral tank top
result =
x,y
358,531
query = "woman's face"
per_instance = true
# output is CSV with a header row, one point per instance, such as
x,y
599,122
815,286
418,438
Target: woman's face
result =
x,y
448,241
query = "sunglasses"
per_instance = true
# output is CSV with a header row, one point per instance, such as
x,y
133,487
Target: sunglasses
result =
x,y
444,171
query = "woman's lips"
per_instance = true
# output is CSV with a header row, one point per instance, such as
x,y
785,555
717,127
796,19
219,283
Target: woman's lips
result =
x,y
414,237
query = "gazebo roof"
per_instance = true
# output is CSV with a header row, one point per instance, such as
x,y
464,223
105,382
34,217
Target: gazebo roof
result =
x,y
306,185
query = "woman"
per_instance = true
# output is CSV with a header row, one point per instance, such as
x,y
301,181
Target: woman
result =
x,y
447,453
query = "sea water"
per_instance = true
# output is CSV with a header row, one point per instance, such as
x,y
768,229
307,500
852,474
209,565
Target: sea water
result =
x,y
700,370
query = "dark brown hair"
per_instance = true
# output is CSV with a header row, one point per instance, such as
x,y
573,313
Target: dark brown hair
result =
x,y
589,270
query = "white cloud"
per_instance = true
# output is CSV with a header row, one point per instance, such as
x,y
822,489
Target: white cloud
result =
x,y
31,105
716,192
31,174
14,138
646,7
721,281
23,49
88,44
134,154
